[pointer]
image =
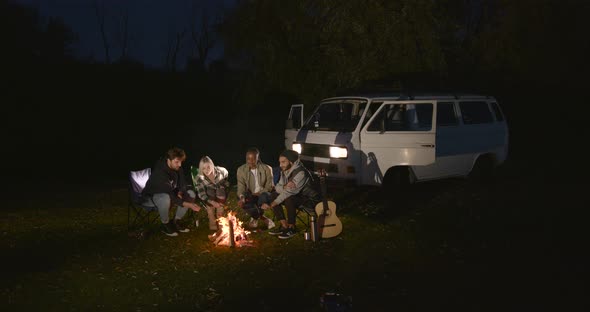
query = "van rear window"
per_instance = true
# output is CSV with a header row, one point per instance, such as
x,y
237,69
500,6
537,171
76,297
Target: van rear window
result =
x,y
475,113
445,114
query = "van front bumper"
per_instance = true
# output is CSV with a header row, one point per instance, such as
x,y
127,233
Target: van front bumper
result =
x,y
340,169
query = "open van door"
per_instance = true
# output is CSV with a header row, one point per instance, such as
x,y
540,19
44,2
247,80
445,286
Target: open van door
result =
x,y
293,124
400,133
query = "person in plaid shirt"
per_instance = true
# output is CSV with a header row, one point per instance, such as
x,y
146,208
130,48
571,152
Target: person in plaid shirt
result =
x,y
212,188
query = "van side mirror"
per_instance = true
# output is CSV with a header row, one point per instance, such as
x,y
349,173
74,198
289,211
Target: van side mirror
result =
x,y
289,124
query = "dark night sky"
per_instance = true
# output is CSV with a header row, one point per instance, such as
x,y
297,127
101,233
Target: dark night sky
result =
x,y
151,24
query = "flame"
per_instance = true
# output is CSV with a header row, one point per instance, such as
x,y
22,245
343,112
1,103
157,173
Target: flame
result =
x,y
222,237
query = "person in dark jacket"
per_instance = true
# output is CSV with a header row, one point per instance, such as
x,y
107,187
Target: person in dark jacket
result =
x,y
166,187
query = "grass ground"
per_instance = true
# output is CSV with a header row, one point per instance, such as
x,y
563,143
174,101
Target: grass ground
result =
x,y
452,245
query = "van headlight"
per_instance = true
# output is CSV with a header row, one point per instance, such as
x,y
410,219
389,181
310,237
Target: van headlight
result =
x,y
296,147
338,152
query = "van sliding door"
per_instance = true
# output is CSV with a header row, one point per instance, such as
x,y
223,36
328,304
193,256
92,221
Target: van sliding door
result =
x,y
400,133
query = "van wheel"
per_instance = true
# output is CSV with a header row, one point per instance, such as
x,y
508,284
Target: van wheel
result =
x,y
394,191
483,169
396,178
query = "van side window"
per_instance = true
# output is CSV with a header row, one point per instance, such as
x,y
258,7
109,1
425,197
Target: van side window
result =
x,y
403,117
370,111
497,112
445,114
475,113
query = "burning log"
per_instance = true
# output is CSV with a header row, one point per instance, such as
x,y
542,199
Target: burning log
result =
x,y
231,232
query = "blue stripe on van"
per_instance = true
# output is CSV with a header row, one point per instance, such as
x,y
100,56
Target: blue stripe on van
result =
x,y
302,135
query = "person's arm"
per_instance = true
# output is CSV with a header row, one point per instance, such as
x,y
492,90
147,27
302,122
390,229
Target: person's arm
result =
x,y
242,187
300,179
182,185
224,177
176,201
280,185
158,181
201,190
269,178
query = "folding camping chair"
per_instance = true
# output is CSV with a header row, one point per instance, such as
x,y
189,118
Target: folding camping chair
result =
x,y
303,209
306,211
139,215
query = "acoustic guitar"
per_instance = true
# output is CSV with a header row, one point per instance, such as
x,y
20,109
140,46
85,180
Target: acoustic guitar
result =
x,y
328,224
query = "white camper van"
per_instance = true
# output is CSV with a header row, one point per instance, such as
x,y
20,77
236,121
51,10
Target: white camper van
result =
x,y
380,139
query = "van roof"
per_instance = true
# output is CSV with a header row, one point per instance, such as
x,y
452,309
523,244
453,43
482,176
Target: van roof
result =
x,y
417,96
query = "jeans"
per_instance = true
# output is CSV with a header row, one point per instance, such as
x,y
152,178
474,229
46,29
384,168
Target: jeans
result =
x,y
253,203
291,203
163,202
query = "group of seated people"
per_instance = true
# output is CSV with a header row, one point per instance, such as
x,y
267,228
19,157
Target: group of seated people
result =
x,y
167,188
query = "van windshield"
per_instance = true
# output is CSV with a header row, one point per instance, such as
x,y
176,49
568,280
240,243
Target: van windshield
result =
x,y
342,116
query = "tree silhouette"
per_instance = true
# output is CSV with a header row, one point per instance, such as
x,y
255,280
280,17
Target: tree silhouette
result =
x,y
123,35
176,42
314,48
101,14
202,34
27,37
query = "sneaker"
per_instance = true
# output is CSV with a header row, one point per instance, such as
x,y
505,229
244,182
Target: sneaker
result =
x,y
290,232
180,227
269,223
169,229
277,231
253,223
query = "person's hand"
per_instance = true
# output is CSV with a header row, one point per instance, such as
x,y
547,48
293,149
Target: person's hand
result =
x,y
265,206
241,203
290,185
195,207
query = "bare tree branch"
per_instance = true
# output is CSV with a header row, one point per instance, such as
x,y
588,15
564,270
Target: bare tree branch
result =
x,y
100,17
175,44
202,33
123,36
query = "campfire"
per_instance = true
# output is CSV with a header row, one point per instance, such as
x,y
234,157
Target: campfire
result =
x,y
231,233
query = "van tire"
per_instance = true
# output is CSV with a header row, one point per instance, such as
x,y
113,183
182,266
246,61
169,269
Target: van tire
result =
x,y
394,190
483,169
396,178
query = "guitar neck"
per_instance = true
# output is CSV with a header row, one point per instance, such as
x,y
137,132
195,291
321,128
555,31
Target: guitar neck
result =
x,y
324,191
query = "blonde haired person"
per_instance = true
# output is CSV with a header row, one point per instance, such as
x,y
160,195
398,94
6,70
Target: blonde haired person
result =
x,y
212,188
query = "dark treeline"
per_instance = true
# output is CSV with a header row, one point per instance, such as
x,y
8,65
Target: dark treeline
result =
x,y
87,120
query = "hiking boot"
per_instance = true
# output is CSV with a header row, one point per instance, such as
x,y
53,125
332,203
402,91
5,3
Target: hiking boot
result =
x,y
277,230
269,223
180,226
290,232
253,223
169,229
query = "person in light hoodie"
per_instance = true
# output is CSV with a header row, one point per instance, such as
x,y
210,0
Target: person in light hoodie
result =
x,y
293,190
